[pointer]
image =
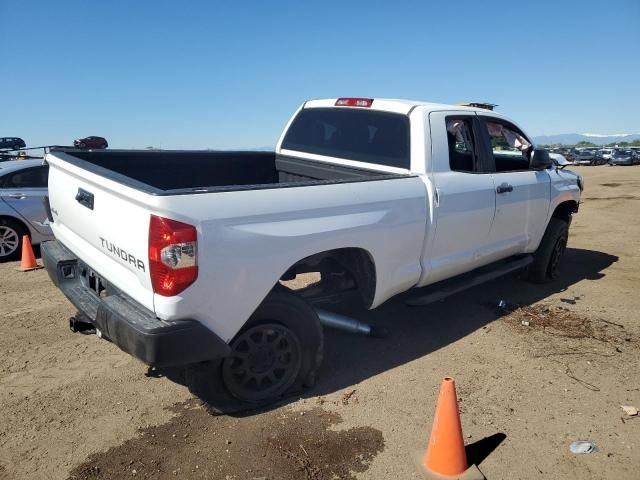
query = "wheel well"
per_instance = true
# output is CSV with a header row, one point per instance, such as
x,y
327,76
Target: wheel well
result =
x,y
341,270
564,210
17,220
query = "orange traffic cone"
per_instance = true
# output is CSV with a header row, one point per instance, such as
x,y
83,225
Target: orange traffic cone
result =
x,y
445,457
28,258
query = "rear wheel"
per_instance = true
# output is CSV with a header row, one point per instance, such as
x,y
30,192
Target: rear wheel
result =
x,y
547,259
278,350
11,233
265,361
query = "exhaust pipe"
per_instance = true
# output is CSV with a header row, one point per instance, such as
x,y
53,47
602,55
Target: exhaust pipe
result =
x,y
349,325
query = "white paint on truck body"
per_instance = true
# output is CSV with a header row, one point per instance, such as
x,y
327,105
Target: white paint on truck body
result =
x,y
416,229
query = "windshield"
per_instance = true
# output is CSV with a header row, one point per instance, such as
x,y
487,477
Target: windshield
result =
x,y
353,134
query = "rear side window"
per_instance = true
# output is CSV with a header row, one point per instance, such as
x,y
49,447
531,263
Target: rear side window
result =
x,y
353,134
35,177
462,145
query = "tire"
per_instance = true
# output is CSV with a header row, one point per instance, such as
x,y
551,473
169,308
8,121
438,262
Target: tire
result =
x,y
279,349
11,232
547,258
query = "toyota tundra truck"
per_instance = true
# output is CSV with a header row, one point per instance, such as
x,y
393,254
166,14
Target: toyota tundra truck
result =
x,y
181,258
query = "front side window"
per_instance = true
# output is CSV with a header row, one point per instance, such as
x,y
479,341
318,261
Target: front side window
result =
x,y
509,147
462,146
354,134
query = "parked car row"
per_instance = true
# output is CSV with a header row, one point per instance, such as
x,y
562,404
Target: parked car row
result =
x,y
603,156
92,142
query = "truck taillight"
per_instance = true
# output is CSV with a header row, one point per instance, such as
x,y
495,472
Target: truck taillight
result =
x,y
354,102
173,253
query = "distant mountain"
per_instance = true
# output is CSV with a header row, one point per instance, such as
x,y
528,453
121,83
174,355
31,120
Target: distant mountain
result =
x,y
573,138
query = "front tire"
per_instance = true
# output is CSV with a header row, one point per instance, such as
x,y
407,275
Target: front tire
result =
x,y
547,259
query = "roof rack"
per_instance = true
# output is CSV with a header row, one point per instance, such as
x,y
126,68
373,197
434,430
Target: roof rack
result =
x,y
486,106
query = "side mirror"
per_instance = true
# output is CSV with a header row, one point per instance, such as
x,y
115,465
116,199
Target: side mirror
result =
x,y
540,159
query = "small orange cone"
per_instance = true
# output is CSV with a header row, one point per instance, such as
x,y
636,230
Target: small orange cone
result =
x,y
28,261
446,457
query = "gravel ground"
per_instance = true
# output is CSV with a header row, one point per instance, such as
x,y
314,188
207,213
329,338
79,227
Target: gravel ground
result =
x,y
553,367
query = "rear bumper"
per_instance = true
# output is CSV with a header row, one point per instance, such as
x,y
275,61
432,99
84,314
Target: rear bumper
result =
x,y
129,325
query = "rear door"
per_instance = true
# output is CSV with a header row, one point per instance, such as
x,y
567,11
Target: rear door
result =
x,y
522,194
465,195
104,223
24,191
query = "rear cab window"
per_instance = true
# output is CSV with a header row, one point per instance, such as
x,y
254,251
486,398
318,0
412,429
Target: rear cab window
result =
x,y
362,135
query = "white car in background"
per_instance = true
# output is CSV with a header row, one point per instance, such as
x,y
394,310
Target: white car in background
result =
x,y
560,160
606,153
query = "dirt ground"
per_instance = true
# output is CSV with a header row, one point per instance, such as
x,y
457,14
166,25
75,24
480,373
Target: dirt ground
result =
x,y
552,367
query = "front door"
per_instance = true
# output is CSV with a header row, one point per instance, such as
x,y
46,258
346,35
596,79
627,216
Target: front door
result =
x,y
522,195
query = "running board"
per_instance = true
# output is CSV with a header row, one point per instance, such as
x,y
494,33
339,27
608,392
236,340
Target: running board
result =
x,y
440,291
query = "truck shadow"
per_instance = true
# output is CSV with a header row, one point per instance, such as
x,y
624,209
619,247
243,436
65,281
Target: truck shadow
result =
x,y
418,331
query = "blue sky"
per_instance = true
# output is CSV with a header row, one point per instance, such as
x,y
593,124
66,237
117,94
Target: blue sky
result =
x,y
229,74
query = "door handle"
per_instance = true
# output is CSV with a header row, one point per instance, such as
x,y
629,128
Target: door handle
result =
x,y
16,196
504,188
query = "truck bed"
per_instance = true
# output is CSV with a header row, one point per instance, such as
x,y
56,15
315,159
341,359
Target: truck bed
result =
x,y
174,172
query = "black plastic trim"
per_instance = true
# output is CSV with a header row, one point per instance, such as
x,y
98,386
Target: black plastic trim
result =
x,y
129,325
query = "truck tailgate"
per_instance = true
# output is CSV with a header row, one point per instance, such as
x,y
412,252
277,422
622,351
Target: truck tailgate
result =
x,y
105,224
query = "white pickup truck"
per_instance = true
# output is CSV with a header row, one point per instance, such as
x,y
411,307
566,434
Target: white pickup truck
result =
x,y
178,257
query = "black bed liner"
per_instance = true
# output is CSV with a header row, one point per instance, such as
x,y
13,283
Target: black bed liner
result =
x,y
180,172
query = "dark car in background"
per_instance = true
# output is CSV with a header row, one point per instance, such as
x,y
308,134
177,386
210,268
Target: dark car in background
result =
x,y
568,153
584,157
91,142
622,157
11,143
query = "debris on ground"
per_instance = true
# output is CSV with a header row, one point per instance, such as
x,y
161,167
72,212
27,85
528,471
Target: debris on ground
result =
x,y
562,322
629,410
583,447
571,301
346,396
